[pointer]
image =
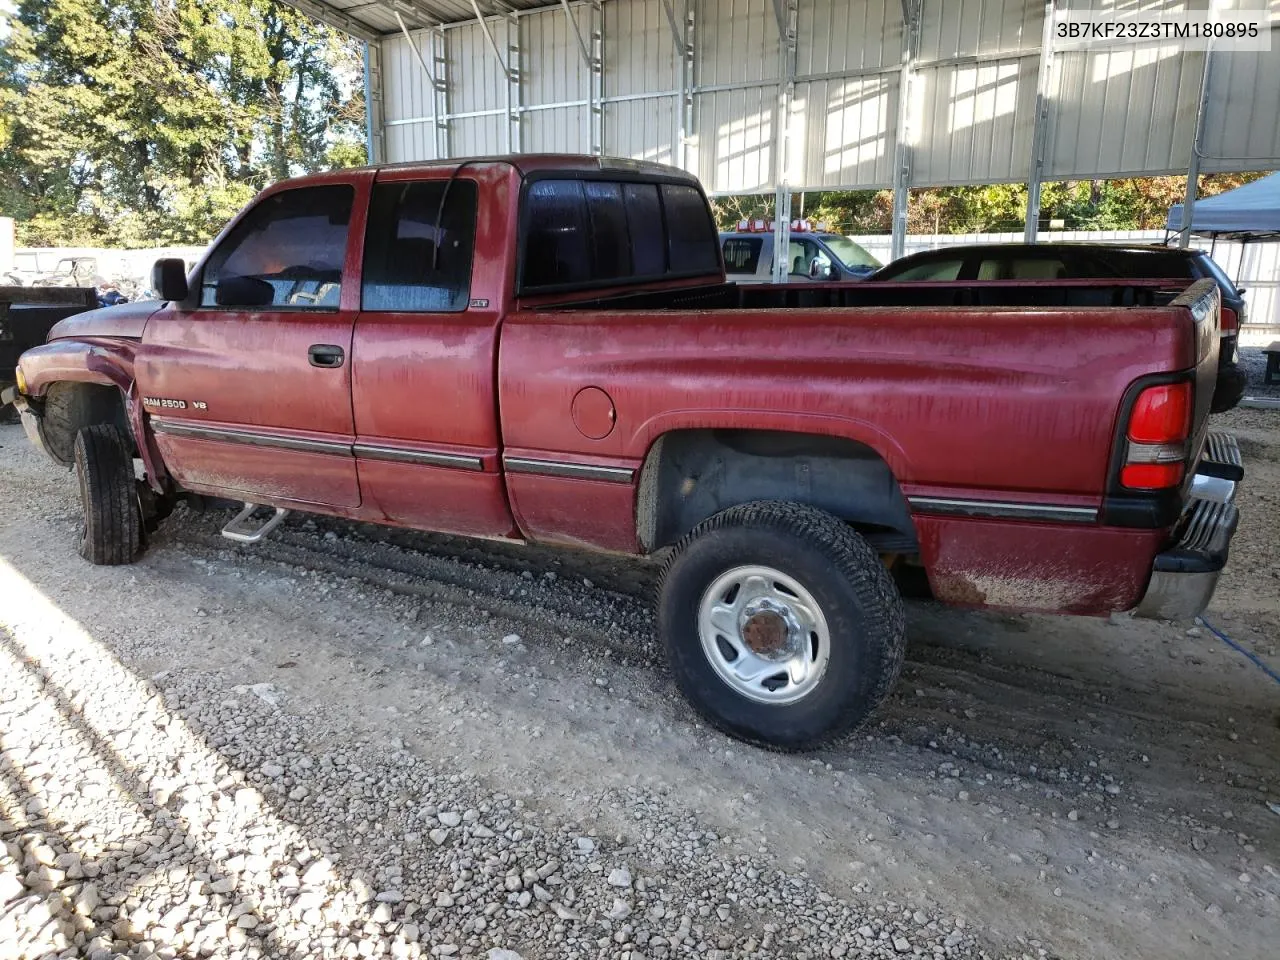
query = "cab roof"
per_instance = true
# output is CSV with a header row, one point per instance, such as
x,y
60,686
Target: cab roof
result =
x,y
525,163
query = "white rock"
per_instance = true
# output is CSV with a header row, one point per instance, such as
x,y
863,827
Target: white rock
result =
x,y
509,639
87,900
450,818
620,910
585,845
564,913
902,944
498,953
620,878
438,836
10,887
389,896
319,872
272,770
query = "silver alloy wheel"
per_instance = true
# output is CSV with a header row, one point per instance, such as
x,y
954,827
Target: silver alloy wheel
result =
x,y
764,634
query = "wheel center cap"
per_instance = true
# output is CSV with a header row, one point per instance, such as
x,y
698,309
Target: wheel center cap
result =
x,y
766,633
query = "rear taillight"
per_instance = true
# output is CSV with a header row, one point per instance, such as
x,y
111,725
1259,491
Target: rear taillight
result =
x,y
1229,322
1159,426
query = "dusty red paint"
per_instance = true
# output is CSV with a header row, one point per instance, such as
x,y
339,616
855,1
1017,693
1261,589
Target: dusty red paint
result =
x,y
1056,568
971,402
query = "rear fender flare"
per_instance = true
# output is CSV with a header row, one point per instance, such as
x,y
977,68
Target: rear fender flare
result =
x,y
842,428
693,473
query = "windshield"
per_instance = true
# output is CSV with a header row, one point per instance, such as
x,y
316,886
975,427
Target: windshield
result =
x,y
849,253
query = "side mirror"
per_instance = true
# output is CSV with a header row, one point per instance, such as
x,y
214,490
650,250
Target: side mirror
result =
x,y
169,279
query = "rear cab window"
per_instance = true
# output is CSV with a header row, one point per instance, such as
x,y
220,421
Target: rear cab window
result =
x,y
419,245
585,232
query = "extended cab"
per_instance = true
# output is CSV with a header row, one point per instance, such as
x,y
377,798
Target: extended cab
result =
x,y
544,348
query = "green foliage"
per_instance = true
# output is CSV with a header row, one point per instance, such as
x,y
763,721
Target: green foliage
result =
x,y
1134,204
128,122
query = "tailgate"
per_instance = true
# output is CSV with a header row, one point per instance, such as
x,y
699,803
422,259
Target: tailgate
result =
x,y
1203,300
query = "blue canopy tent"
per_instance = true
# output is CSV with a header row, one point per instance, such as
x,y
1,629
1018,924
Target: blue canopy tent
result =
x,y
1251,212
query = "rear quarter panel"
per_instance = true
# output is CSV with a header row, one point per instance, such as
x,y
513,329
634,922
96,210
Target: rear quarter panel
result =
x,y
980,402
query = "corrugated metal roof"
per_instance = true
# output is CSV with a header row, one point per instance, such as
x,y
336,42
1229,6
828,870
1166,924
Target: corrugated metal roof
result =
x,y
1112,110
379,16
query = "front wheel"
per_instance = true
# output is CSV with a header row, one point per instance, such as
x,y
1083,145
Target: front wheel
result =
x,y
111,531
782,626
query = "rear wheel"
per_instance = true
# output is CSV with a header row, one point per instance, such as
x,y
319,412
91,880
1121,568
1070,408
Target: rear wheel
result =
x,y
782,626
111,531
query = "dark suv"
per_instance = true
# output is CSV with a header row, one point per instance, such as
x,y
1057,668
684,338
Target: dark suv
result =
x,y
1078,261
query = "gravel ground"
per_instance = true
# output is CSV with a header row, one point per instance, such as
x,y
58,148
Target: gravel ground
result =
x,y
354,742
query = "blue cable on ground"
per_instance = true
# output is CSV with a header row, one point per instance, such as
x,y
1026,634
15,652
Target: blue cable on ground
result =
x,y
1257,661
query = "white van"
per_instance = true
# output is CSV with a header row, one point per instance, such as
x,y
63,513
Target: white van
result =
x,y
813,254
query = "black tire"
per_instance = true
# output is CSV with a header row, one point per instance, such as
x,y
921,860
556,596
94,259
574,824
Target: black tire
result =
x,y
111,531
855,593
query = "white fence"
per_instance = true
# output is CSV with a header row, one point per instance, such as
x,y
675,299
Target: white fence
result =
x,y
1253,266
133,266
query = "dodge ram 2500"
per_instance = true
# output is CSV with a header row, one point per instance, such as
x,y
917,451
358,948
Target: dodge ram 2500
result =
x,y
544,348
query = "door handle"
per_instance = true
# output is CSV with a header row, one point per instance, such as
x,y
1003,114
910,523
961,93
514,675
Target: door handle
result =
x,y
325,355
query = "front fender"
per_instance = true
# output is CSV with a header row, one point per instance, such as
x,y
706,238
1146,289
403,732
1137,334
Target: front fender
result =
x,y
102,361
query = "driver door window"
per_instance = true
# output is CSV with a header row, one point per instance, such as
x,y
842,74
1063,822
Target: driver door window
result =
x,y
286,254
799,255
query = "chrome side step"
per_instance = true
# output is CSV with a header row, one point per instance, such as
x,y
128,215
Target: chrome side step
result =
x,y
241,529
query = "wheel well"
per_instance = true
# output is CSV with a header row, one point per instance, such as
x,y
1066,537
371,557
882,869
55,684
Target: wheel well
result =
x,y
690,475
70,406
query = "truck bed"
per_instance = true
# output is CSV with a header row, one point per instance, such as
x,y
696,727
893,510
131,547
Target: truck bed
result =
x,y
1004,293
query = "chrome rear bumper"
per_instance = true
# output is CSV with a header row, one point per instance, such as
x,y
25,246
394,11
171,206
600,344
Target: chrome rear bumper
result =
x,y
1184,576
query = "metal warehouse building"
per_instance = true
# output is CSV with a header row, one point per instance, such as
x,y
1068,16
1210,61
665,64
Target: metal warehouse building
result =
x,y
788,95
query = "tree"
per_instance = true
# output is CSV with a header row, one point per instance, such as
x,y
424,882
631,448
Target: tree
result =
x,y
153,121
1140,203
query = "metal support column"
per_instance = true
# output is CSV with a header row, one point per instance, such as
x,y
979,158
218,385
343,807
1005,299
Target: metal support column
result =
x,y
682,36
596,80
1197,148
440,97
905,133
786,12
593,60
509,74
1040,132
374,117
514,140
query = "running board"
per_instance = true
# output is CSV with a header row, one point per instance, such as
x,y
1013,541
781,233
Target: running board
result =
x,y
240,529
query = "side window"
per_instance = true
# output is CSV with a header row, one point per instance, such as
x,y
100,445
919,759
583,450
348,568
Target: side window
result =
x,y
990,270
691,233
802,253
742,254
556,244
930,270
417,257
1038,268
286,253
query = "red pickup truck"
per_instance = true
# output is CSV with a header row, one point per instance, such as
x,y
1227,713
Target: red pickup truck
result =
x,y
544,348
